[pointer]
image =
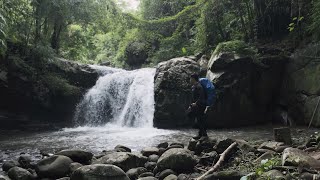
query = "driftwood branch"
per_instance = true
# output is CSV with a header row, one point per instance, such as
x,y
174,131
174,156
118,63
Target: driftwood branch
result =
x,y
220,161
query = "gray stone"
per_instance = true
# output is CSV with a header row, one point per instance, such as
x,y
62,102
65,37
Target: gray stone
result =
x,y
163,145
17,173
150,165
223,144
174,158
150,151
135,172
64,178
4,177
183,177
123,147
192,144
9,164
282,135
25,161
79,156
74,167
274,146
171,177
273,174
153,158
148,178
99,172
297,157
53,167
225,175
146,174
166,173
124,160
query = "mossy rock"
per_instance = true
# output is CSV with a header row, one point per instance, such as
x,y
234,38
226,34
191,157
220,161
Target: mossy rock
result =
x,y
236,46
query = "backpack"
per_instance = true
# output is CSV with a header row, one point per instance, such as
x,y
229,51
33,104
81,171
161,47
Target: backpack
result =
x,y
209,89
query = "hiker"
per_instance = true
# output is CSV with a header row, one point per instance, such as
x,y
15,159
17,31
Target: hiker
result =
x,y
198,106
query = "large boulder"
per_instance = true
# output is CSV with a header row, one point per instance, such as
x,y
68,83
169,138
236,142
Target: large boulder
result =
x,y
79,156
177,159
99,172
17,173
297,157
42,88
124,160
301,88
53,167
173,92
245,86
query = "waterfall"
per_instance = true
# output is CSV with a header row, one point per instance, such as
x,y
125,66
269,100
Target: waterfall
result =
x,y
122,98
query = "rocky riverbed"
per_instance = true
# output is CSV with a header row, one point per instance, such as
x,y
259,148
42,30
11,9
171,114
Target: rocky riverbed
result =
x,y
167,155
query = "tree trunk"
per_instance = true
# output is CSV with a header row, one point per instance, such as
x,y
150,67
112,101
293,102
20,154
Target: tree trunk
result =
x,y
37,22
55,38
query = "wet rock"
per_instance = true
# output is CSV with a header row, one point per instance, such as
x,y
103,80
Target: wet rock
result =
x,y
171,177
264,156
146,174
161,151
183,177
174,147
4,177
135,172
53,167
273,146
272,174
204,146
309,176
296,157
153,158
172,92
123,160
148,178
79,156
245,146
225,175
166,173
9,164
222,145
175,144
150,165
208,159
282,135
163,145
245,87
123,147
192,144
17,173
64,178
74,167
99,172
173,158
25,161
150,151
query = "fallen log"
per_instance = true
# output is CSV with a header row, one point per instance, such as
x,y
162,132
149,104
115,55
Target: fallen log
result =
x,y
220,161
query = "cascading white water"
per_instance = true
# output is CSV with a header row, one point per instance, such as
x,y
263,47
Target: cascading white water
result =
x,y
122,98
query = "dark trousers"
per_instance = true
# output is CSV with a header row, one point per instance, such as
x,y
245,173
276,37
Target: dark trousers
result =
x,y
198,115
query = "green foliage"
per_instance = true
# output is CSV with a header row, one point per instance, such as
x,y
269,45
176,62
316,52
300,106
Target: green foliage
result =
x,y
239,47
267,165
315,25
